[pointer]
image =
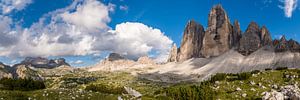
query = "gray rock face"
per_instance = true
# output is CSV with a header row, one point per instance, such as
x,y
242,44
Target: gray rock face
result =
x,y
236,33
218,36
250,41
173,54
4,71
114,57
191,42
294,45
282,45
265,36
24,72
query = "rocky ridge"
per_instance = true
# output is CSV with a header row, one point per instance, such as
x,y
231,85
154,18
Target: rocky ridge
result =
x,y
117,62
39,62
35,68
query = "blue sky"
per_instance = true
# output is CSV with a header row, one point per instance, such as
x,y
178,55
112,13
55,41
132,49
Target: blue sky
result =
x,y
169,17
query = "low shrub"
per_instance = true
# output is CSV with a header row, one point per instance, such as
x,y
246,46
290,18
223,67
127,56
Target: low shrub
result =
x,y
218,77
244,76
191,92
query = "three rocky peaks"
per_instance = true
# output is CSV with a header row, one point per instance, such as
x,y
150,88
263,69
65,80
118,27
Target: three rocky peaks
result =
x,y
221,36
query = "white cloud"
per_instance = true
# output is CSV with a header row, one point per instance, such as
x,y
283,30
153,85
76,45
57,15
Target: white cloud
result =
x,y
82,29
8,6
61,37
137,39
289,7
92,15
78,62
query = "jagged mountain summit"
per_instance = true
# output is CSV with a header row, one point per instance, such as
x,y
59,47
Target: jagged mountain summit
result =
x,y
221,36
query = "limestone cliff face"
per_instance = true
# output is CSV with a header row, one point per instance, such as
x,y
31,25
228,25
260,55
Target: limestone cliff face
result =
x,y
4,71
265,36
250,41
284,45
191,42
218,36
294,45
173,54
237,33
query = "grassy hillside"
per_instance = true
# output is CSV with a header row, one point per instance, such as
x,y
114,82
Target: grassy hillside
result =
x,y
108,86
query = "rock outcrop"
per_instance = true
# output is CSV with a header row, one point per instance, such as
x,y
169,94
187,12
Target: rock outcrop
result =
x,y
218,36
4,71
24,72
145,60
173,54
116,62
191,42
250,40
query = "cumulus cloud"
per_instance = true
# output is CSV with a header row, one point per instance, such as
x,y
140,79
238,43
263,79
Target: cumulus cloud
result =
x,y
61,37
136,39
289,6
92,15
8,6
82,29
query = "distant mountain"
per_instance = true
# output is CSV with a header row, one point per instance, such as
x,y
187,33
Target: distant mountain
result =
x,y
4,71
117,62
35,68
40,62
